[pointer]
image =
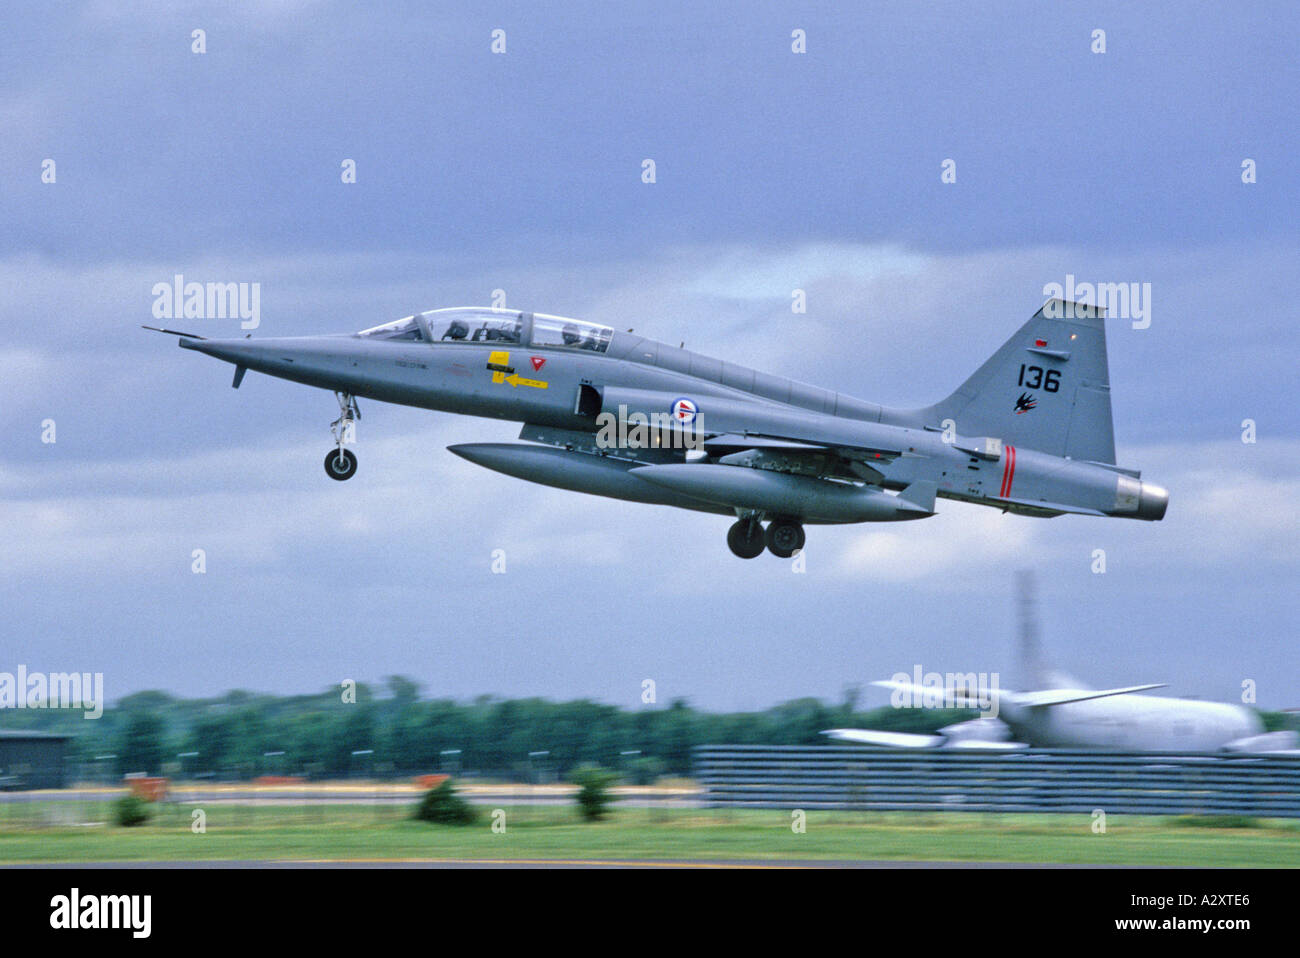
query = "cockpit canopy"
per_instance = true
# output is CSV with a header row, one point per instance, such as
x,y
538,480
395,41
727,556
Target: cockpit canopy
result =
x,y
476,325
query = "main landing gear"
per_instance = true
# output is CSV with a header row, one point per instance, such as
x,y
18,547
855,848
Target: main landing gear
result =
x,y
747,538
341,463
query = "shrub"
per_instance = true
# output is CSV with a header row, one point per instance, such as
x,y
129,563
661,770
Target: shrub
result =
x,y
1216,821
645,770
593,790
130,811
442,806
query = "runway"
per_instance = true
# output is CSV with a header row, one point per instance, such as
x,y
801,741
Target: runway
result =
x,y
540,863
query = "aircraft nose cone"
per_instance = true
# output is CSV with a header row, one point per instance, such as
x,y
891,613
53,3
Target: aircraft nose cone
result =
x,y
231,350
1153,502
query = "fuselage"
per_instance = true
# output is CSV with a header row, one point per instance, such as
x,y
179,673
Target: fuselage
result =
x,y
557,376
1136,722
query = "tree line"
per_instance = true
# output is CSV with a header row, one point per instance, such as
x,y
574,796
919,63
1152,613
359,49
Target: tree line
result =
x,y
390,731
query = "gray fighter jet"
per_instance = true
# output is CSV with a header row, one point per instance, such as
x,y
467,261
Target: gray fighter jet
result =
x,y
618,415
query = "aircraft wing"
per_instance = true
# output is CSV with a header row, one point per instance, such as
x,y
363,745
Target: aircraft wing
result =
x,y
797,455
1066,696
734,442
866,736
955,699
743,431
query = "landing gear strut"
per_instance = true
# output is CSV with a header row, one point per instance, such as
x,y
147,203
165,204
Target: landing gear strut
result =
x,y
341,463
746,538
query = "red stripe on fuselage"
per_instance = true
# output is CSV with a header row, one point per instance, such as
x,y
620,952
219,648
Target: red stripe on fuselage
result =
x,y
1009,471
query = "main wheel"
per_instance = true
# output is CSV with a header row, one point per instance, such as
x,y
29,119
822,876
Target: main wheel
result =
x,y
784,538
746,538
340,464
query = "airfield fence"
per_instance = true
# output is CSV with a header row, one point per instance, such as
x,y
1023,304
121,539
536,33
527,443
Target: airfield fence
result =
x,y
1024,780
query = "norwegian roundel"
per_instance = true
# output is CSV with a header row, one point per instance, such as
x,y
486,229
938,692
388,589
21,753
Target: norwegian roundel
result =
x,y
684,411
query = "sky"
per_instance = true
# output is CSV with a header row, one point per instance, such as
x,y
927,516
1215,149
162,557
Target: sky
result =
x,y
522,172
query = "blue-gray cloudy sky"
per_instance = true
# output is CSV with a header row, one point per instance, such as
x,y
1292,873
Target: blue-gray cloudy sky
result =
x,y
521,172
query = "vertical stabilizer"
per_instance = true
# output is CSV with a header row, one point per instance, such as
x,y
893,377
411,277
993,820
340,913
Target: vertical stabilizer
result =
x,y
1047,388
1029,651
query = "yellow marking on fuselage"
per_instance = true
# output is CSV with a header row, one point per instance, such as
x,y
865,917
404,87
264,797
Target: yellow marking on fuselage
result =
x,y
515,379
499,362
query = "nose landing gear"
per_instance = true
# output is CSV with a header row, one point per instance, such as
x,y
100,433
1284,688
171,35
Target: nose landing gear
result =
x,y
341,463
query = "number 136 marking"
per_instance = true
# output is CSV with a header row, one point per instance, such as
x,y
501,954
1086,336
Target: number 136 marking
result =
x,y
1051,381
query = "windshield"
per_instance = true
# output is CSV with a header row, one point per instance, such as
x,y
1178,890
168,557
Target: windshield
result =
x,y
402,329
573,333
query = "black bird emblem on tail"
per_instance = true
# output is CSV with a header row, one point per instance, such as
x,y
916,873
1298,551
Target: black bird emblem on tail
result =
x,y
1025,403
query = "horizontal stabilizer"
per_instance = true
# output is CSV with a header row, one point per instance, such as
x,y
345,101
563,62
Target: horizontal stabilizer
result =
x,y
1048,508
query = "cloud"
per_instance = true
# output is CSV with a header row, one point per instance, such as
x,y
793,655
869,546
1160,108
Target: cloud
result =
x,y
748,274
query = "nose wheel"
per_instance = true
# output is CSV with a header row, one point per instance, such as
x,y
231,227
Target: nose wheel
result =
x,y
341,463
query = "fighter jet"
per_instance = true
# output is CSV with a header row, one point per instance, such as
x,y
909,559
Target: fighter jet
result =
x,y
615,414
1065,713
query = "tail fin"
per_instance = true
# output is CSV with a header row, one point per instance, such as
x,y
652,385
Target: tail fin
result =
x,y
1032,667
1029,651
1047,388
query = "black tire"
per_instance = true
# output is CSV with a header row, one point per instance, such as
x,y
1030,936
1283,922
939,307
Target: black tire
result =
x,y
784,538
746,538
340,468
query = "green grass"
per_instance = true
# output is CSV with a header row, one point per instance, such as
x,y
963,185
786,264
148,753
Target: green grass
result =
x,y
540,833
